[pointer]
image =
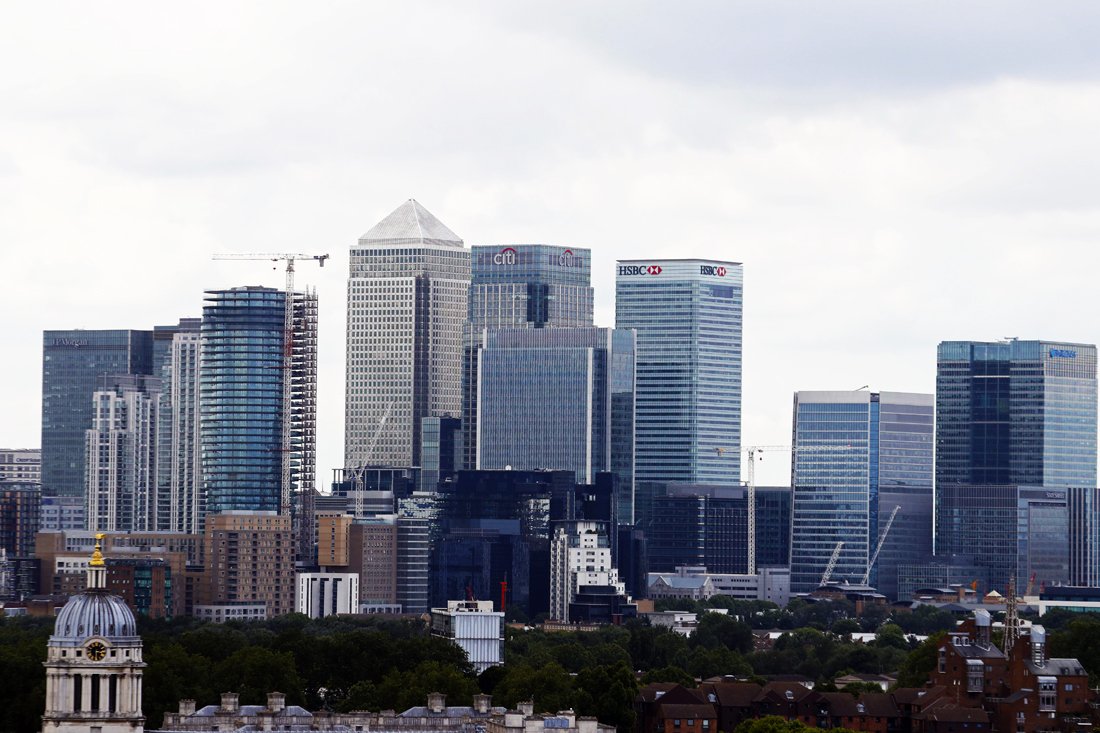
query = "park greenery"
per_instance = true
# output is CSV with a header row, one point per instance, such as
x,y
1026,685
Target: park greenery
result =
x,y
372,663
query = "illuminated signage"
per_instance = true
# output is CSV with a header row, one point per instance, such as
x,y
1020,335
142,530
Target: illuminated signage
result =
x,y
716,270
1063,354
639,270
506,256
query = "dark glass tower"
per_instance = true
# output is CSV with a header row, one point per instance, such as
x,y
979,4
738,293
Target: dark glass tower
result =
x,y
1016,429
73,363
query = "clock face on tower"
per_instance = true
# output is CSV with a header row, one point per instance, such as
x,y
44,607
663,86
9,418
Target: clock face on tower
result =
x,y
96,651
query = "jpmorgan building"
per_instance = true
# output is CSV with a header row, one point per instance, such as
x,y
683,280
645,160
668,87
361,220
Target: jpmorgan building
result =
x,y
687,314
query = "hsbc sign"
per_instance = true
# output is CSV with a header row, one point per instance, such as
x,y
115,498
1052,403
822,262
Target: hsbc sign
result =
x,y
639,270
715,270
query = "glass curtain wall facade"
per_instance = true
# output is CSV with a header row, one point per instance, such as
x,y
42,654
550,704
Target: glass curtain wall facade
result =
x,y
407,294
548,398
1014,417
519,286
857,456
179,481
73,363
241,398
688,317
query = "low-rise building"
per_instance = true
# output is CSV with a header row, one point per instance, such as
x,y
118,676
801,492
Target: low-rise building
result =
x,y
476,628
327,593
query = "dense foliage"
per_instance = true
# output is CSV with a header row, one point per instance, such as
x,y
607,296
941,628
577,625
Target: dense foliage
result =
x,y
374,663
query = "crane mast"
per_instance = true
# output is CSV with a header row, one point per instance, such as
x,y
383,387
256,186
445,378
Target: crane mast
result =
x,y
287,446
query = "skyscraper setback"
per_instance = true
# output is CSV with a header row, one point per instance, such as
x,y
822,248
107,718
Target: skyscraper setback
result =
x,y
519,286
407,294
688,413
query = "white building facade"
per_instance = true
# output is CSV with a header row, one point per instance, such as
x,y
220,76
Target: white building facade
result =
x,y
327,594
476,628
580,555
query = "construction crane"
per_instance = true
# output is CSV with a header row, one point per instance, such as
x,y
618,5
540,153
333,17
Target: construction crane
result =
x,y
832,563
878,547
357,473
288,357
752,452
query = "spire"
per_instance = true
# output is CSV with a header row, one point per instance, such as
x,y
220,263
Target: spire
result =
x,y
97,568
411,223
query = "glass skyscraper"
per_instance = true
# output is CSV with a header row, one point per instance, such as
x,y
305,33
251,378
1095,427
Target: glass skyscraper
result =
x,y
519,286
407,293
687,314
858,456
1015,431
243,341
73,363
559,398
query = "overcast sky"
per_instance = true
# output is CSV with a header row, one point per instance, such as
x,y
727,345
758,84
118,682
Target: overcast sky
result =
x,y
892,175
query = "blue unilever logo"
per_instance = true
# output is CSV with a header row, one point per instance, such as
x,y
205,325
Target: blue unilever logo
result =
x,y
1063,354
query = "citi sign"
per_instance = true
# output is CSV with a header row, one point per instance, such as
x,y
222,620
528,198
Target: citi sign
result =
x,y
639,269
716,270
506,256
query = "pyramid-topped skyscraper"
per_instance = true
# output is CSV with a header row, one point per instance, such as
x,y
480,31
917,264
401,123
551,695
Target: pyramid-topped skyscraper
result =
x,y
407,291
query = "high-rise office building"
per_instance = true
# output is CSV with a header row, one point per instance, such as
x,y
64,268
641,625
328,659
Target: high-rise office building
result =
x,y
1015,438
73,362
180,506
241,397
857,456
687,314
559,398
407,293
519,286
121,450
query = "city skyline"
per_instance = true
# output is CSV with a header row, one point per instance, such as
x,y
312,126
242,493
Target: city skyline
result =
x,y
844,169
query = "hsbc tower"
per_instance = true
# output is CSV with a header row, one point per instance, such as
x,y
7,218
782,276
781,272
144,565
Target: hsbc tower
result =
x,y
688,317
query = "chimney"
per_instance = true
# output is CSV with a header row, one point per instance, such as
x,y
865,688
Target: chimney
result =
x,y
229,702
276,701
482,703
187,707
527,708
1039,646
982,624
437,702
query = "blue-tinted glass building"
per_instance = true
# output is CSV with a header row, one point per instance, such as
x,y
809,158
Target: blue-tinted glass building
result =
x,y
687,314
858,456
561,399
519,286
1015,433
73,363
241,397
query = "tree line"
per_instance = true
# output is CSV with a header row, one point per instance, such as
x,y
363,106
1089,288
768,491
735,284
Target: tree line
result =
x,y
373,663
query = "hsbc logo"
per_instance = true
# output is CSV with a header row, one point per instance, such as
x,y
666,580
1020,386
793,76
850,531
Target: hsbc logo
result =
x,y
506,256
715,270
639,270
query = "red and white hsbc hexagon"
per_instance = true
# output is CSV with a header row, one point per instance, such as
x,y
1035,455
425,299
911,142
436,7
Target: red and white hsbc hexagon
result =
x,y
678,269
